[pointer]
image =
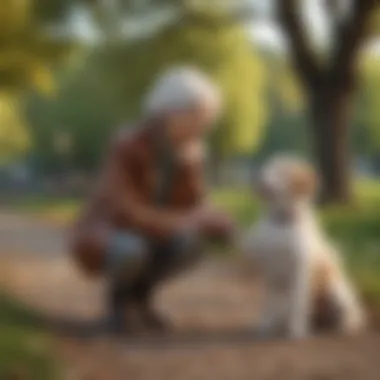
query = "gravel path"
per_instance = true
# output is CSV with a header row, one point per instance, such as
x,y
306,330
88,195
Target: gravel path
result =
x,y
213,310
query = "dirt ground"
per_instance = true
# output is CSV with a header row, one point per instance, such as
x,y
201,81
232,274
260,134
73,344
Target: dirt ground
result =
x,y
213,310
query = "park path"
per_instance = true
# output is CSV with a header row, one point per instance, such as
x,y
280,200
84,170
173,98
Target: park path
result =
x,y
213,309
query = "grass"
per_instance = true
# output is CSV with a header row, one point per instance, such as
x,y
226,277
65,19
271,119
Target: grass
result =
x,y
25,348
356,229
55,210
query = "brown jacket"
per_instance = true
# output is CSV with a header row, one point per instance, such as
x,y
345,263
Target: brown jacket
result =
x,y
124,197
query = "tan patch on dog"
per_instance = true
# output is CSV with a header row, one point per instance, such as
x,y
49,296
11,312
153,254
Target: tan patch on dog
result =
x,y
322,276
304,180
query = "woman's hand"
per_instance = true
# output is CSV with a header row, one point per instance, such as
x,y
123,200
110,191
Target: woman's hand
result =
x,y
210,223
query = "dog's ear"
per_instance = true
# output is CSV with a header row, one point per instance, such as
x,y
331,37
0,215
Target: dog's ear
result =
x,y
305,182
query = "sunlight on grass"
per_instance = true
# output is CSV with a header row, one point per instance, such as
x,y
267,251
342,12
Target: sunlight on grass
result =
x,y
57,211
25,349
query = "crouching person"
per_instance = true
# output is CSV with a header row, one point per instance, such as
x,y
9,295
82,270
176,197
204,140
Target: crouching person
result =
x,y
146,219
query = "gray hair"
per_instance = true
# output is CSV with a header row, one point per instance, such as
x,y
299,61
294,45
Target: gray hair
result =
x,y
181,88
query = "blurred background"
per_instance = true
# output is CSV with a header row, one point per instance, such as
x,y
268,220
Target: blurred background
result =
x,y
298,76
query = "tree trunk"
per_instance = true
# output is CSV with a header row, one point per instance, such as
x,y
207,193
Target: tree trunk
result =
x,y
330,118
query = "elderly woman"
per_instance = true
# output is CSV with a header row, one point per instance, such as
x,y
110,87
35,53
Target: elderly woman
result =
x,y
147,217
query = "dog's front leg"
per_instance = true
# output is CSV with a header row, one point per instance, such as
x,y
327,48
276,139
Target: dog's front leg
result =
x,y
268,325
352,317
300,299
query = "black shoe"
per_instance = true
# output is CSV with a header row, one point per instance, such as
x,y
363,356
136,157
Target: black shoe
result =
x,y
153,321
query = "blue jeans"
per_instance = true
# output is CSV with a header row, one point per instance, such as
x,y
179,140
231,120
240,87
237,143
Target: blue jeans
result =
x,y
130,256
126,255
136,265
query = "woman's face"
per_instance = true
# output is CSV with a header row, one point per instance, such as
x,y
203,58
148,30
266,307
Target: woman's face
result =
x,y
191,124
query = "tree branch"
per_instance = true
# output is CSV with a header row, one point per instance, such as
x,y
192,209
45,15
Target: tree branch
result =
x,y
301,49
349,39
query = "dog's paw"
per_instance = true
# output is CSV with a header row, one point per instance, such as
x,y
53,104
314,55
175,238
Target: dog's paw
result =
x,y
298,332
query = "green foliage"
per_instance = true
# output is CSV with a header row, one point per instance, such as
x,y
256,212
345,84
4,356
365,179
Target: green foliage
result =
x,y
53,11
369,110
209,41
286,133
27,53
84,110
374,23
26,49
14,139
286,129
109,89
25,350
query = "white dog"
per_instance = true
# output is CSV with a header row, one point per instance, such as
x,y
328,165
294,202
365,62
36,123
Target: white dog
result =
x,y
304,280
